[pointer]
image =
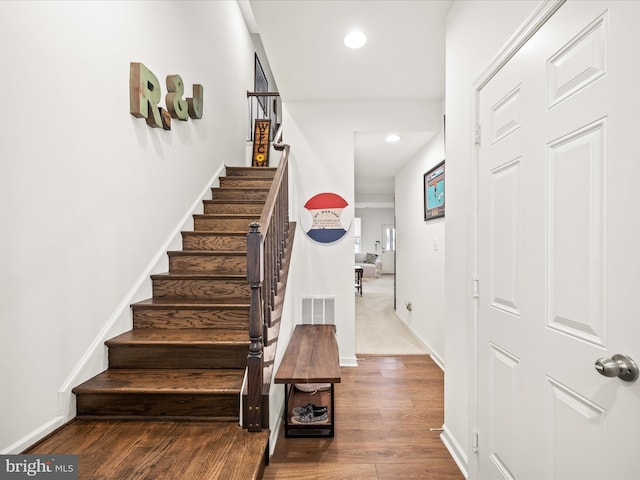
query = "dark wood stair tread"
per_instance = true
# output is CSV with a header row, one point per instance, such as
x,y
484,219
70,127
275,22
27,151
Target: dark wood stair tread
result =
x,y
208,253
168,449
228,215
261,182
238,233
240,201
163,381
191,303
249,177
198,276
249,186
190,336
246,188
221,233
230,169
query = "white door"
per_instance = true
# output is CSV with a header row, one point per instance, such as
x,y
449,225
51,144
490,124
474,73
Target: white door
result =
x,y
388,248
558,250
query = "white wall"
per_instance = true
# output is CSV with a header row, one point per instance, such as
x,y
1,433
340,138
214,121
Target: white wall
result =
x,y
321,135
476,31
372,221
420,252
91,197
317,166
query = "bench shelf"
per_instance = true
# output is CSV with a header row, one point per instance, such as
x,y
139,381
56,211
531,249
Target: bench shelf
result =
x,y
295,398
311,358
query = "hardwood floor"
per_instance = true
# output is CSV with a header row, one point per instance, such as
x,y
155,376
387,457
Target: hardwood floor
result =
x,y
161,450
385,408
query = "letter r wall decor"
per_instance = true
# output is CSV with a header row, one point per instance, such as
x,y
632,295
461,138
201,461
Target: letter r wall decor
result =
x,y
145,94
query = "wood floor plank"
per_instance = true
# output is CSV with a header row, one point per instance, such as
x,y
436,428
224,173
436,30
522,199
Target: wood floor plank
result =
x,y
385,409
414,471
310,470
132,450
381,435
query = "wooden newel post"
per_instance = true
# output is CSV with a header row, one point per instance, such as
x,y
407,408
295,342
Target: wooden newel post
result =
x,y
255,269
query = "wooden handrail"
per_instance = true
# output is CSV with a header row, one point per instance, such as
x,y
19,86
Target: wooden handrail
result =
x,y
270,203
263,94
266,242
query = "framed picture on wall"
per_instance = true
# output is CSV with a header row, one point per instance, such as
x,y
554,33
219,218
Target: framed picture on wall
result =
x,y
260,84
433,185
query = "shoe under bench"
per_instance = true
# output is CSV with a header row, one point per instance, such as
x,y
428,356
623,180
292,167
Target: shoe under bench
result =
x,y
311,357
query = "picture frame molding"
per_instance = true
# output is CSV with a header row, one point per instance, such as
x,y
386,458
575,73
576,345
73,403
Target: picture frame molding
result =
x,y
260,84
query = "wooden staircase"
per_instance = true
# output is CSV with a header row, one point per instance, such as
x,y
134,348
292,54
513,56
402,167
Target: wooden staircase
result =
x,y
185,358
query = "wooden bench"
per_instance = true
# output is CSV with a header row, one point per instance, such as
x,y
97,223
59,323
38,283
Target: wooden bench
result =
x,y
311,358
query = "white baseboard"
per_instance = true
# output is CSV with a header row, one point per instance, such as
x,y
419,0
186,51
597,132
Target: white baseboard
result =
x,y
276,414
434,355
348,362
273,437
437,360
33,436
456,451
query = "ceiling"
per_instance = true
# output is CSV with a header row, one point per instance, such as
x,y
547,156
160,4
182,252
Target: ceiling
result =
x,y
403,61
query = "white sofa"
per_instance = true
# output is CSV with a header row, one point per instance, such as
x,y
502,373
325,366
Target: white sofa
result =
x,y
371,264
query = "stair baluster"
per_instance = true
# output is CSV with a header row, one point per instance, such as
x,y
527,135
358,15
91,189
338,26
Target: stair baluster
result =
x,y
255,262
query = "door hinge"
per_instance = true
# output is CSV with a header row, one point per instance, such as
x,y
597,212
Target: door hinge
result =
x,y
478,134
474,440
476,288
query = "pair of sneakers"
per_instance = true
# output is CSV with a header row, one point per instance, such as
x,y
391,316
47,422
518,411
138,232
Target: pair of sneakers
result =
x,y
310,414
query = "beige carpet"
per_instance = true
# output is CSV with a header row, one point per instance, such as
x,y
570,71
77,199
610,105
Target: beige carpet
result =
x,y
378,329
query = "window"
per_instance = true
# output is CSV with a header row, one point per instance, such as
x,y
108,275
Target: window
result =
x,y
357,229
389,240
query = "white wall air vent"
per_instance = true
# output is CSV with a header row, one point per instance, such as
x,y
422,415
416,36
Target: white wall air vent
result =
x,y
318,310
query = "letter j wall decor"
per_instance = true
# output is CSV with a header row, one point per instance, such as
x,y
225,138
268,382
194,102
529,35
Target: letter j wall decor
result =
x,y
433,184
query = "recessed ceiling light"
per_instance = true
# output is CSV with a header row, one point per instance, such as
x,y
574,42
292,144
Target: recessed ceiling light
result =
x,y
355,39
392,138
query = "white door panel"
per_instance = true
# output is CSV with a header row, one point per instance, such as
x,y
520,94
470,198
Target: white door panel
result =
x,y
558,265
388,248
